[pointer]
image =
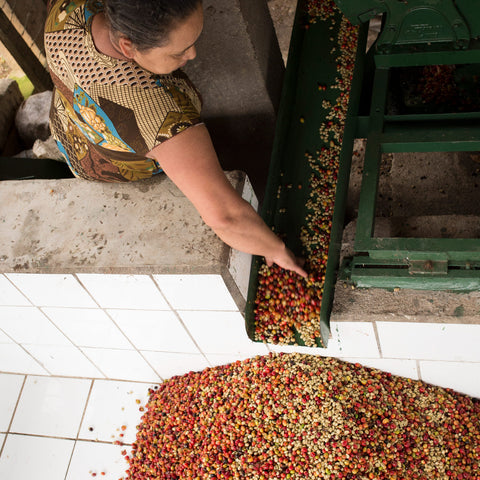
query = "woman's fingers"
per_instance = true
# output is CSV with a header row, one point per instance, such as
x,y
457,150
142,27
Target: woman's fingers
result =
x,y
298,269
300,261
289,262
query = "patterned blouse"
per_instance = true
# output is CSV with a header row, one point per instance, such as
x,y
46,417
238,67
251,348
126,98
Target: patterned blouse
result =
x,y
106,113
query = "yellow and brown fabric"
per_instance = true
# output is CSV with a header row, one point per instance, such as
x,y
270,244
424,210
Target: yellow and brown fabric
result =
x,y
107,114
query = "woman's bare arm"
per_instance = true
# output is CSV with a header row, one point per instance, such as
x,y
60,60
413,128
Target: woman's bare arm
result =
x,y
190,161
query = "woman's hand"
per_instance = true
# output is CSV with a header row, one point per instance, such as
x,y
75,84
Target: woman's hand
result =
x,y
287,260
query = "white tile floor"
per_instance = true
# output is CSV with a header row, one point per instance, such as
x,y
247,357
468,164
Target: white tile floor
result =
x,y
59,428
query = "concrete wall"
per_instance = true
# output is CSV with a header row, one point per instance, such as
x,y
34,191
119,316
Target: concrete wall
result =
x,y
239,71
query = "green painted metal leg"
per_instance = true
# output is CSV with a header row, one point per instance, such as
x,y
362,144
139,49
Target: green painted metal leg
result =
x,y
373,156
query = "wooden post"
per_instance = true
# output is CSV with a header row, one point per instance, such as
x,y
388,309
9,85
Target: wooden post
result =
x,y
23,55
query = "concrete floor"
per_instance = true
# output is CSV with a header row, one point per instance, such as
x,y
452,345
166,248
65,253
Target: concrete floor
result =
x,y
283,14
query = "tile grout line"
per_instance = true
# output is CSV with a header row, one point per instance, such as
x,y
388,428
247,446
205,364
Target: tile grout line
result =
x,y
21,345
13,305
79,347
53,323
88,359
134,348
236,309
126,336
81,378
97,442
72,343
85,408
13,415
78,378
20,291
79,428
34,359
174,310
17,402
148,363
39,308
75,276
149,276
419,370
77,437
32,303
377,339
171,309
121,331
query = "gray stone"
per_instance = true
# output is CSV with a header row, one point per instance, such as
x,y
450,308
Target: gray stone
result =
x,y
43,149
47,149
32,118
25,154
10,100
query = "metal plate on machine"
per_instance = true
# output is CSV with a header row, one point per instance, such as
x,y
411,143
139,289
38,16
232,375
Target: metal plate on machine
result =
x,y
428,267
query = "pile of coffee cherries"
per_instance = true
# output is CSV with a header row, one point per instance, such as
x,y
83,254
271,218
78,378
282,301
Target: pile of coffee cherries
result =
x,y
304,417
287,307
449,87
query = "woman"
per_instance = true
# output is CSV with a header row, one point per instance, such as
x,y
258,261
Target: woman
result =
x,y
122,110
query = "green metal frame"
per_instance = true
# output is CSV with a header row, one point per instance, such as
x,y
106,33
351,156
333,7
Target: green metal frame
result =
x,y
378,262
417,263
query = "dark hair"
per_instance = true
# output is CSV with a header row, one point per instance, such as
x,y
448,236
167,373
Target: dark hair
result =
x,y
147,23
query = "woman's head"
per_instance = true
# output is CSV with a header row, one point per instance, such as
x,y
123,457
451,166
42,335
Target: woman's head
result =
x,y
158,34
